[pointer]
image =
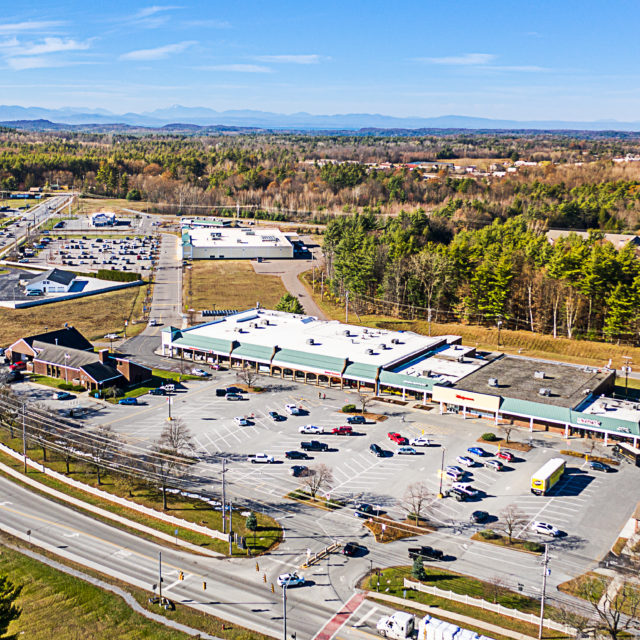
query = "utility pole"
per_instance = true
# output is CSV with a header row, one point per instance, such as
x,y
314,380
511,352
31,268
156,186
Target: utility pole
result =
x,y
440,494
230,529
346,308
284,611
322,285
24,435
160,575
545,572
627,370
224,501
429,320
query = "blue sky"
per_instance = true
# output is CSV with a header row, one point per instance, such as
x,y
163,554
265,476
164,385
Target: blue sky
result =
x,y
544,60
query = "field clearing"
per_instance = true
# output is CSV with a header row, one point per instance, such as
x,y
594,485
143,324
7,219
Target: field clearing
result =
x,y
481,163
19,203
93,316
524,343
89,205
229,284
51,598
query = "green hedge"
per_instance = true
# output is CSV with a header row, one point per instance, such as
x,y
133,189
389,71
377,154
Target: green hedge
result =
x,y
349,408
118,276
489,437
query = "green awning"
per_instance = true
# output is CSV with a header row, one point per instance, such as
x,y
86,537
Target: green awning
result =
x,y
306,361
407,382
361,371
248,351
536,409
190,341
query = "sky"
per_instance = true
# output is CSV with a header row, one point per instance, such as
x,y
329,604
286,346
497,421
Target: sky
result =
x,y
543,60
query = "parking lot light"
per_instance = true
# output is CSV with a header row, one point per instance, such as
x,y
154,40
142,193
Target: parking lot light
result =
x,y
440,494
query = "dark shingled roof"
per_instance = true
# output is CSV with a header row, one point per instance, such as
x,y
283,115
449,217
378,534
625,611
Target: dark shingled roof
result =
x,y
68,337
55,275
89,362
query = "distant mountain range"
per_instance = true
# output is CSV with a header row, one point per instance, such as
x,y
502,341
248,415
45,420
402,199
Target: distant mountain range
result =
x,y
180,118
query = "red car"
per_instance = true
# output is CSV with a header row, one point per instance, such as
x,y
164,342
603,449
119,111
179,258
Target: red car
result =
x,y
397,438
505,455
342,431
18,366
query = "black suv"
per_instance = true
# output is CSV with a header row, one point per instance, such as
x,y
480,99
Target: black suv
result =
x,y
425,552
376,449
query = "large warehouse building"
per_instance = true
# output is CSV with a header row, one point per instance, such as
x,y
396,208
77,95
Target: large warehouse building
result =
x,y
555,396
219,243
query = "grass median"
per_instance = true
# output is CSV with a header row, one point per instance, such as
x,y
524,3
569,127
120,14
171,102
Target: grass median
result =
x,y
268,533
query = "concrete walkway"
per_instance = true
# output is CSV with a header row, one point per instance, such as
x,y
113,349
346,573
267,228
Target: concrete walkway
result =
x,y
127,597
438,612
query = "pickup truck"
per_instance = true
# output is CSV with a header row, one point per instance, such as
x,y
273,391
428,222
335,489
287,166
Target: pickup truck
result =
x,y
314,445
342,431
425,552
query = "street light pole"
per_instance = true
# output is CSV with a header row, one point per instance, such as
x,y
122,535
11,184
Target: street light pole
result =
x,y
284,611
160,575
441,473
545,571
224,500
499,327
24,435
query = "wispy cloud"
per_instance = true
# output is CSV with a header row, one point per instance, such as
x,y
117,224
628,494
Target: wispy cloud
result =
x,y
159,53
462,60
37,62
239,68
313,58
206,24
51,45
151,17
152,11
29,25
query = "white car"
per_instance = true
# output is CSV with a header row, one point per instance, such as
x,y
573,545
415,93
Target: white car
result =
x,y
290,579
466,461
292,409
200,372
241,422
420,441
545,529
310,428
262,458
410,451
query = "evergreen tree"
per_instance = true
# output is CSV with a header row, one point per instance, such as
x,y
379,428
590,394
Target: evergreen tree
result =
x,y
417,570
8,610
289,304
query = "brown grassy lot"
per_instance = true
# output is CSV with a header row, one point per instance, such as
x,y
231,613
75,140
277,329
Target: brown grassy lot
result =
x,y
525,343
93,316
229,284
89,205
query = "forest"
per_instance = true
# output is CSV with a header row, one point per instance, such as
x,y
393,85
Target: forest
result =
x,y
506,272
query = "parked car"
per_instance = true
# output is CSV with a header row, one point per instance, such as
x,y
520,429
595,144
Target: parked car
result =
x,y
356,420
310,428
153,322
477,451
455,473
298,470
425,552
420,441
365,510
221,393
157,392
479,516
406,451
296,455
496,465
241,422
465,488
506,455
200,373
466,461
35,292
21,365
234,396
396,437
314,445
128,401
290,580
545,529
600,466
292,409
275,416
342,431
353,549
261,458
62,395
377,450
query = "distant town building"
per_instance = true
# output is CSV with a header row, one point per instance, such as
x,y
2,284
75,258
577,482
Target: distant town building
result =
x,y
103,219
52,281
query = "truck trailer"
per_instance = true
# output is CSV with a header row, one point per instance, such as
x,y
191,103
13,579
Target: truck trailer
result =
x,y
547,476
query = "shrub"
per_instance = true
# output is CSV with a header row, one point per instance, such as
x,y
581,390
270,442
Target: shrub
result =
x,y
417,570
134,195
118,276
529,545
488,534
67,386
349,408
489,437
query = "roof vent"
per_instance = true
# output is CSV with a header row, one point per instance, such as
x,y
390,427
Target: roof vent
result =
x,y
586,392
395,341
382,346
369,352
346,332
493,382
310,341
539,375
544,391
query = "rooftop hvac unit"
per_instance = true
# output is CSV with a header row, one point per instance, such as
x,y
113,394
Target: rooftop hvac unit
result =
x,y
586,392
460,359
539,375
369,352
365,331
382,346
544,391
426,373
346,332
265,322
395,341
310,341
493,382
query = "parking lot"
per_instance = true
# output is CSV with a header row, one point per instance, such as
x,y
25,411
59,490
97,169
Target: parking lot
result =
x,y
588,507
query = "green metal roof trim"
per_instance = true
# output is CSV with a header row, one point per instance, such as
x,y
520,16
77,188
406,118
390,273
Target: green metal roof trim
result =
x,y
535,409
303,359
171,330
361,370
201,342
409,382
253,351
610,424
186,239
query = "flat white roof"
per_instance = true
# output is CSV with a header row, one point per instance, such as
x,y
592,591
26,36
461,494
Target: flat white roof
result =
x,y
237,237
447,365
614,408
291,331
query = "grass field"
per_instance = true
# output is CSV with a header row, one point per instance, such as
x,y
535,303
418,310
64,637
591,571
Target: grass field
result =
x,y
19,203
525,343
52,600
93,316
229,284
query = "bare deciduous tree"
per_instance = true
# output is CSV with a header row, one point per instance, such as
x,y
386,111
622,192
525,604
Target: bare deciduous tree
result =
x,y
506,429
176,438
511,518
416,499
101,445
318,478
616,609
248,376
365,399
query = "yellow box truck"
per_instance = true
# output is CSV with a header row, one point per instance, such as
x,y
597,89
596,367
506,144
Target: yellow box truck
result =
x,y
547,476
